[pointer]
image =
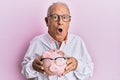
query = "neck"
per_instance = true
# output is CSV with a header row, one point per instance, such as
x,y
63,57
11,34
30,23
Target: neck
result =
x,y
59,43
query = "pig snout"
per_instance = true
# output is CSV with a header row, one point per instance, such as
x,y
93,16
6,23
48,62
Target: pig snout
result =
x,y
56,70
53,68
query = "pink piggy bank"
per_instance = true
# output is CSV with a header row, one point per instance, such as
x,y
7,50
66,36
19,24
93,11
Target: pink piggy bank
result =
x,y
54,62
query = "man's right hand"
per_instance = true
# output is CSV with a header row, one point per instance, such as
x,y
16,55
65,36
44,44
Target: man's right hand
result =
x,y
38,65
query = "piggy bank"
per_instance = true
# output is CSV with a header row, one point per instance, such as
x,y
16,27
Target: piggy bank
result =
x,y
54,62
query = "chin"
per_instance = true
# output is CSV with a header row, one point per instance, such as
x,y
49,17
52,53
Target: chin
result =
x,y
60,39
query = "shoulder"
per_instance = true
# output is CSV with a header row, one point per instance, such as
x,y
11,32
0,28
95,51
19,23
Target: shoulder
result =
x,y
77,40
74,37
39,38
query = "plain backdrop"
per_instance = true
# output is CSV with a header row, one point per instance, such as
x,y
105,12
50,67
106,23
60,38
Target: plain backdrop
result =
x,y
96,21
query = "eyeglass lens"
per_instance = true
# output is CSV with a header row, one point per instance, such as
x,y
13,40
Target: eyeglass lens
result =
x,y
56,17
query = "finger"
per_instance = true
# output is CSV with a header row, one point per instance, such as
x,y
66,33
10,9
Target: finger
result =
x,y
72,61
66,71
37,61
69,67
69,61
38,67
41,63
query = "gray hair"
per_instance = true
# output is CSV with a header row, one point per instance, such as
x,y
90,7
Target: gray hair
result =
x,y
56,3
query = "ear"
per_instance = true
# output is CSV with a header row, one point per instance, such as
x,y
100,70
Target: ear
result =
x,y
70,20
46,20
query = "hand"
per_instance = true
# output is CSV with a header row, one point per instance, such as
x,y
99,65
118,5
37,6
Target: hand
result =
x,y
71,65
38,65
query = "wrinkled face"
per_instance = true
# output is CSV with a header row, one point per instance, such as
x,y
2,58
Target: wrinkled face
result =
x,y
58,26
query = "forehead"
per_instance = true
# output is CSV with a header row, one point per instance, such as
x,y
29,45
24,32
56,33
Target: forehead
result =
x,y
59,9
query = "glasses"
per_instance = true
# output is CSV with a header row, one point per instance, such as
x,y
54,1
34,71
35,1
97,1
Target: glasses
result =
x,y
56,17
58,60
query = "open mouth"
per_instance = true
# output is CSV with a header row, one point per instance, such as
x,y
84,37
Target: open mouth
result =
x,y
60,30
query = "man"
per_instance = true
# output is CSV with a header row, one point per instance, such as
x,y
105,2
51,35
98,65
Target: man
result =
x,y
79,64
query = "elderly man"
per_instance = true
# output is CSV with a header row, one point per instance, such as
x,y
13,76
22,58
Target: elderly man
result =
x,y
79,65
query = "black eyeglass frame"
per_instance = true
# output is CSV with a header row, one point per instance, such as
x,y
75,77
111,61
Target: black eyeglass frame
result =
x,y
54,58
50,15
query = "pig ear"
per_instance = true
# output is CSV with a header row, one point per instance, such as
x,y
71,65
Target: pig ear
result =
x,y
50,51
61,53
45,54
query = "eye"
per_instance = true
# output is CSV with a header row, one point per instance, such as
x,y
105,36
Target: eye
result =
x,y
55,17
64,17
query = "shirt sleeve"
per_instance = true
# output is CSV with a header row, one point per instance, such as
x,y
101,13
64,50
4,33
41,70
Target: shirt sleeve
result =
x,y
85,64
32,52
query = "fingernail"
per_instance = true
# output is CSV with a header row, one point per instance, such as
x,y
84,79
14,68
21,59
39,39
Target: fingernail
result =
x,y
42,68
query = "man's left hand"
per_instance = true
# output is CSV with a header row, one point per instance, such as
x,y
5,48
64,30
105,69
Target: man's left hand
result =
x,y
71,65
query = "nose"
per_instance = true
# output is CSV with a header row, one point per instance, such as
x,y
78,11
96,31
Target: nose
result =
x,y
60,21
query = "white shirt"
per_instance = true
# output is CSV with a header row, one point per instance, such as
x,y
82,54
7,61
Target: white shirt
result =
x,y
72,47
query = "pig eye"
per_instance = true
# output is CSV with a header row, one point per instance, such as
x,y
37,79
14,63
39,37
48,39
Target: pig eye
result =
x,y
60,61
46,59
